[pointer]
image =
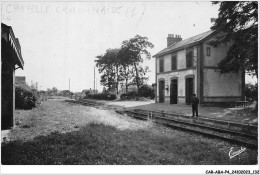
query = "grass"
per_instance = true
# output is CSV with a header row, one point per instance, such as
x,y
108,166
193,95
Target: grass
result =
x,y
102,144
58,133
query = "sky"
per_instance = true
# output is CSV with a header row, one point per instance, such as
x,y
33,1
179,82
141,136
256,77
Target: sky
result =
x,y
60,40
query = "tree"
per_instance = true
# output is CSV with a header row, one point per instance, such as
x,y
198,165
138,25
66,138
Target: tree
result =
x,y
107,79
126,69
141,76
251,91
26,97
54,90
109,64
48,91
124,64
134,50
146,91
127,75
237,23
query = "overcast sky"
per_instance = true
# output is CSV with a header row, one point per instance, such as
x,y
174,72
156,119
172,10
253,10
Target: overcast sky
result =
x,y
60,40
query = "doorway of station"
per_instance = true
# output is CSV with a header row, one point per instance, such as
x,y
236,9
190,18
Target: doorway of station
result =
x,y
161,91
189,90
174,91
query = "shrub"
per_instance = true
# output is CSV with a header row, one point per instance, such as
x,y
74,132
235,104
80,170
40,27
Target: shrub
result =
x,y
124,96
128,96
102,96
251,91
25,97
112,97
146,91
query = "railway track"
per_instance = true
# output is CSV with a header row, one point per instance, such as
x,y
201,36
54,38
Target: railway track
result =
x,y
95,104
236,133
240,138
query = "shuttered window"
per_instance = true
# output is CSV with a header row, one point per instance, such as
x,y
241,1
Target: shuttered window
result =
x,y
208,51
174,62
161,64
189,59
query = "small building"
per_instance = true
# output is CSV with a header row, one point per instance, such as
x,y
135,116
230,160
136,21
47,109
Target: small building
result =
x,y
130,88
66,93
11,59
189,66
20,80
89,91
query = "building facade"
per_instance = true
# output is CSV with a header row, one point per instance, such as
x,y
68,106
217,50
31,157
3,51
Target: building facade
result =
x,y
11,59
189,66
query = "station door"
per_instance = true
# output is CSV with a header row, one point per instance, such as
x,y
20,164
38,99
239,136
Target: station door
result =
x,y
161,91
174,92
189,90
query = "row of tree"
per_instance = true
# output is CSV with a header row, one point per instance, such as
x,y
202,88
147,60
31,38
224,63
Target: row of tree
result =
x,y
123,66
52,91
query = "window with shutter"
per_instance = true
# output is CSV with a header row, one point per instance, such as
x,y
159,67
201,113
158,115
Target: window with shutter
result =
x,y
174,62
208,51
189,59
161,63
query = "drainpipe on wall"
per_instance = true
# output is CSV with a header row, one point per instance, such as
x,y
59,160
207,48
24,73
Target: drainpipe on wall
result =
x,y
156,82
198,73
243,86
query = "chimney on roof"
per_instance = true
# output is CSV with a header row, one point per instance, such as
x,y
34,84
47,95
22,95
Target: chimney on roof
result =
x,y
173,39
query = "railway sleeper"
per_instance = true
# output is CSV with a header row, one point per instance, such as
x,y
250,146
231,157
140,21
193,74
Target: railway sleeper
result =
x,y
250,129
198,131
213,129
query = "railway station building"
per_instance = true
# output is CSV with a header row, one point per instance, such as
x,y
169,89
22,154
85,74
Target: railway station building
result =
x,y
189,66
11,59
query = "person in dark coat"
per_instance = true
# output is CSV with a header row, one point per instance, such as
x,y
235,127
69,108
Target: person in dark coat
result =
x,y
194,103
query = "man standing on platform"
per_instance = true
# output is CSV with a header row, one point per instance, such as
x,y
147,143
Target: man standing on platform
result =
x,y
194,103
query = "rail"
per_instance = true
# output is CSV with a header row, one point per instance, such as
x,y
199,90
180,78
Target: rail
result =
x,y
240,138
238,133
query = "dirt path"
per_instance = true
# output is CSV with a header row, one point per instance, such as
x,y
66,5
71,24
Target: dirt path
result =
x,y
58,115
130,103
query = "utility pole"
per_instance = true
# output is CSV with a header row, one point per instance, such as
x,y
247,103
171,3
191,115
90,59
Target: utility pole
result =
x,y
94,80
69,84
96,84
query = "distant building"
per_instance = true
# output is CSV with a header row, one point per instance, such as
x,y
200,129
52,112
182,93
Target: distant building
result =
x,y
89,91
189,66
20,80
66,93
11,59
130,88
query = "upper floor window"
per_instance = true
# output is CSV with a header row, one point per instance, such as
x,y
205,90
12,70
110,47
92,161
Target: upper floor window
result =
x,y
174,62
208,51
161,65
189,59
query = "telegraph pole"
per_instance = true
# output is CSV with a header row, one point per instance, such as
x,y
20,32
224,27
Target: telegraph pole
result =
x,y
69,84
94,80
96,84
